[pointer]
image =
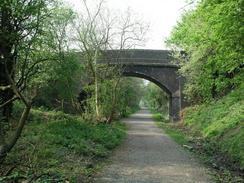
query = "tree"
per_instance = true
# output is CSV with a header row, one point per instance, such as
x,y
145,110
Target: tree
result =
x,y
130,94
24,57
20,24
66,70
211,36
100,31
156,99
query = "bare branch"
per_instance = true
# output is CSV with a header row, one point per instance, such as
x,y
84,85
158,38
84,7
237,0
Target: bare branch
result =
x,y
3,88
9,101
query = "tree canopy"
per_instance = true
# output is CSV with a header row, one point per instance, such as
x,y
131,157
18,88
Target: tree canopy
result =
x,y
212,36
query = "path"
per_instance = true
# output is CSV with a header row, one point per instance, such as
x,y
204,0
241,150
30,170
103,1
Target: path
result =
x,y
150,156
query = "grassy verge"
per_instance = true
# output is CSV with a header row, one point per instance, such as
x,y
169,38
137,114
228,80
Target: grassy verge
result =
x,y
215,133
222,171
221,122
57,147
170,129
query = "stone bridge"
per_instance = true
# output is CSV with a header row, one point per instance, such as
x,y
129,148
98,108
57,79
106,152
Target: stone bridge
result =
x,y
156,66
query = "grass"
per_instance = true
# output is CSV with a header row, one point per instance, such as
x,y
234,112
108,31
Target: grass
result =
x,y
221,122
215,133
168,127
56,147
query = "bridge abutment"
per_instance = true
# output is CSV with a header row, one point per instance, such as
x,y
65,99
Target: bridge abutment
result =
x,y
174,108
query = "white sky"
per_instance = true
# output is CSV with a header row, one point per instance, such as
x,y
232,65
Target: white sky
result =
x,y
162,15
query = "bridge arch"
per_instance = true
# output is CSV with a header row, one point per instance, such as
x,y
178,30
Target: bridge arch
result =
x,y
153,65
149,78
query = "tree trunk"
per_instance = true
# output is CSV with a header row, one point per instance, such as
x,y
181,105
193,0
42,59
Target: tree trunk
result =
x,y
6,57
96,100
114,100
96,88
7,144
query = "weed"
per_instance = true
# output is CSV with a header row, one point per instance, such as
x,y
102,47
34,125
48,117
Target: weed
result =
x,y
56,147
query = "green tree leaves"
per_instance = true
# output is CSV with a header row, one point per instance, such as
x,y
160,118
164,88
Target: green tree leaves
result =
x,y
156,99
212,35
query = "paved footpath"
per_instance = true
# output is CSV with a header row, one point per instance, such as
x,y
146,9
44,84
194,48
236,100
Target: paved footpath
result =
x,y
149,156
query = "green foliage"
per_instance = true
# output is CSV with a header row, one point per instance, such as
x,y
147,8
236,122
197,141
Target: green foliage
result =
x,y
83,138
63,68
222,123
156,99
168,127
207,150
61,147
46,73
65,73
130,94
158,117
121,97
211,35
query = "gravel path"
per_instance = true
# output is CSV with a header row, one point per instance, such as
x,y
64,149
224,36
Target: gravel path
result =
x,y
150,156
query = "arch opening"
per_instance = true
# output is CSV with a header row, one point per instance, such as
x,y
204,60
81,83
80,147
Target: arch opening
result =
x,y
149,78
174,102
165,109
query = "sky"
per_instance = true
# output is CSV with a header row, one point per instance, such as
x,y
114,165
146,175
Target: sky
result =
x,y
162,16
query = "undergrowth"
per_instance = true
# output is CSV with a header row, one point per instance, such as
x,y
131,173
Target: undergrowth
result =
x,y
221,122
57,147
